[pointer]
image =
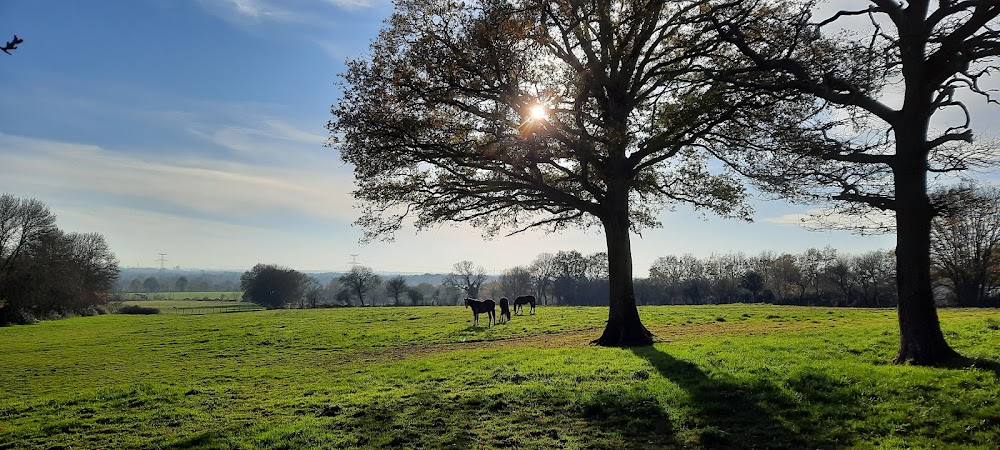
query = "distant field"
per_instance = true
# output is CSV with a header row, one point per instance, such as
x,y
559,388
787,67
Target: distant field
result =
x,y
195,306
129,296
733,376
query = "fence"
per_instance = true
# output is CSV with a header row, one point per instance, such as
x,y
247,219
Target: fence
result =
x,y
215,309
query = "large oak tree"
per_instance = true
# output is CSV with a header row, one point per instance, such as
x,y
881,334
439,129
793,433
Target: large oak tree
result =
x,y
534,114
869,149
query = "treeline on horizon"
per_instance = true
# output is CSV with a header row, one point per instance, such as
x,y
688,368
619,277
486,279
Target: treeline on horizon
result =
x,y
815,277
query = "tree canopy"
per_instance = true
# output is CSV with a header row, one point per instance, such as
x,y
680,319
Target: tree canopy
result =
x,y
513,115
273,286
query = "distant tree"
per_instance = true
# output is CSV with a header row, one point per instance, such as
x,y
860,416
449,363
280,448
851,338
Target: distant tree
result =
x,y
570,269
181,284
343,297
426,290
415,295
273,286
466,276
94,265
875,273
839,273
315,293
395,287
543,270
135,285
753,282
151,284
360,280
965,242
492,290
515,281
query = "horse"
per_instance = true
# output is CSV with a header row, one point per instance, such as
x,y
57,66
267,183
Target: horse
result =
x,y
504,310
482,306
522,300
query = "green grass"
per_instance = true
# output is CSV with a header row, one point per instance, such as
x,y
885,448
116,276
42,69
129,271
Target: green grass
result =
x,y
134,296
762,377
193,306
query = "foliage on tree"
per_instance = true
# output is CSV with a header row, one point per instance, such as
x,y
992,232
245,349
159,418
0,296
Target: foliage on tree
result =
x,y
360,280
273,286
536,114
965,242
396,287
753,282
181,284
151,284
875,152
46,272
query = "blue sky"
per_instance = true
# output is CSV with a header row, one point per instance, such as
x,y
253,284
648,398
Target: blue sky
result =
x,y
195,128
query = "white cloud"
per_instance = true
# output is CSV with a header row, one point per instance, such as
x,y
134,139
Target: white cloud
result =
x,y
187,184
828,218
297,12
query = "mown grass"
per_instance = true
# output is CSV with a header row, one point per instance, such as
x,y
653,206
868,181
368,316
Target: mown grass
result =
x,y
734,376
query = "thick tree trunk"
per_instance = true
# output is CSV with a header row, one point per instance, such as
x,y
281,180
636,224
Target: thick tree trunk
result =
x,y
624,329
920,338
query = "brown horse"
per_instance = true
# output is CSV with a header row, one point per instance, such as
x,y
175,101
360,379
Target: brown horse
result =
x,y
482,306
504,310
522,300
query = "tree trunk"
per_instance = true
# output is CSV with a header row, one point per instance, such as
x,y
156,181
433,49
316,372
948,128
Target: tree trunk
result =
x,y
624,329
921,341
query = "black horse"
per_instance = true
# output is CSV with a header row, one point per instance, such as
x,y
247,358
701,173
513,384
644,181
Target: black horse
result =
x,y
504,310
522,300
482,306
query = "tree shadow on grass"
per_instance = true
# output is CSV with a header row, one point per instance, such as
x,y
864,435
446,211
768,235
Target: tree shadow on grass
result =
x,y
976,363
758,414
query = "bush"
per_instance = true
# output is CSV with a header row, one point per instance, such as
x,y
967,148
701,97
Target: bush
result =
x,y
136,309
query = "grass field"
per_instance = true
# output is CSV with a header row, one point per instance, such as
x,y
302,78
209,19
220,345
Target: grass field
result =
x,y
194,306
134,296
734,376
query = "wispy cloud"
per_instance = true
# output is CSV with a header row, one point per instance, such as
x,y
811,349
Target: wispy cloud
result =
x,y
243,12
827,218
185,184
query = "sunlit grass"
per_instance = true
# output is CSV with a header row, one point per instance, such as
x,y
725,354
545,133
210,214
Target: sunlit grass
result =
x,y
735,376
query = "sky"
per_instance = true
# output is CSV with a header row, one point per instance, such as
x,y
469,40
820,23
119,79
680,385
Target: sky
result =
x,y
196,129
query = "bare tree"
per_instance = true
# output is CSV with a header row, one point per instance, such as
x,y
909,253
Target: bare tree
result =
x,y
873,151
466,276
543,270
965,241
360,280
516,281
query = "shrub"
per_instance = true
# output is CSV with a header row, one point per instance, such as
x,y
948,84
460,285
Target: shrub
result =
x,y
136,309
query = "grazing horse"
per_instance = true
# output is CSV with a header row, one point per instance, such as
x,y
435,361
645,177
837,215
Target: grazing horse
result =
x,y
482,306
522,300
504,310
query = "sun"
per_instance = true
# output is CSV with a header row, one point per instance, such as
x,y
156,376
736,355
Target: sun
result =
x,y
538,112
